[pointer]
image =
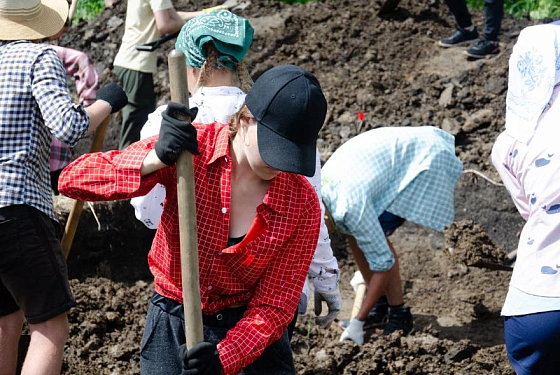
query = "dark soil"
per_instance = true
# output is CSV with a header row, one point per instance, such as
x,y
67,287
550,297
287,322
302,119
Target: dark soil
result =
x,y
466,242
390,68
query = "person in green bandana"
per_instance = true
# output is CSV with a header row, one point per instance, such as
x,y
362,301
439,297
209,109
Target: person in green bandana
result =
x,y
146,21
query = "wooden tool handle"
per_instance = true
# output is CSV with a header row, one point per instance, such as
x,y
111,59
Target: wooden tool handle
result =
x,y
360,294
77,207
187,212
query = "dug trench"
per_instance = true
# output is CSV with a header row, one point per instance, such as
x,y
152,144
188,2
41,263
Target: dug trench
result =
x,y
390,68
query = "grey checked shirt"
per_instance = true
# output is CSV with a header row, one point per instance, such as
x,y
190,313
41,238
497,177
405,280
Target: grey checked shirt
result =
x,y
34,104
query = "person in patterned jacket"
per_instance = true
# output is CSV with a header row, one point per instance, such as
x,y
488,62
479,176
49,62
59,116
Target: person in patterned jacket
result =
x,y
257,218
34,106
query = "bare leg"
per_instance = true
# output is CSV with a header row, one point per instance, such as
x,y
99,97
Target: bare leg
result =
x,y
44,356
10,331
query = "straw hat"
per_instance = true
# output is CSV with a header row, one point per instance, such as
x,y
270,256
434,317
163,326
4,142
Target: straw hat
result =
x,y
31,19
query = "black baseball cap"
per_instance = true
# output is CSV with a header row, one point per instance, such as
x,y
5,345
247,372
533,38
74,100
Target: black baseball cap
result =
x,y
290,109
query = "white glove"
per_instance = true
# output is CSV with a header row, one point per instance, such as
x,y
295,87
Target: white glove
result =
x,y
354,332
334,302
357,279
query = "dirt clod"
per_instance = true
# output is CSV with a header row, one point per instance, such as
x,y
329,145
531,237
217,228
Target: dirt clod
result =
x,y
467,242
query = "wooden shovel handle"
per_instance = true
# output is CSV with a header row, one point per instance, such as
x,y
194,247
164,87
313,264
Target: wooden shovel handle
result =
x,y
187,212
77,207
358,300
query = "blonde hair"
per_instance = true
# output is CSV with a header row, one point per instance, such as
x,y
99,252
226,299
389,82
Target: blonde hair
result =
x,y
235,121
212,64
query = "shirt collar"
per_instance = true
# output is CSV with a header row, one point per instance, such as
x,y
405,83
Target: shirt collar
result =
x,y
222,144
275,198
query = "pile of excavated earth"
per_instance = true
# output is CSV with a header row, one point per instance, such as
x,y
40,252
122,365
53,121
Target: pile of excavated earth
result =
x,y
390,68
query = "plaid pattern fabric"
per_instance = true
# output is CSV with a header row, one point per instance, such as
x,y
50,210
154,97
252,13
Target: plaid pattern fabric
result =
x,y
410,172
266,271
61,155
35,105
77,65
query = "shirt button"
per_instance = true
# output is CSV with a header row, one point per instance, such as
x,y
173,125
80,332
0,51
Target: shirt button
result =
x,y
210,287
225,159
224,210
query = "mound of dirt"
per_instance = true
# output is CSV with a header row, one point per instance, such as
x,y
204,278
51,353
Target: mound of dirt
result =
x,y
467,242
390,68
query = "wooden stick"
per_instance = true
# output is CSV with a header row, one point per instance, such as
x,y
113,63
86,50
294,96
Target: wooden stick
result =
x,y
358,300
187,212
72,10
77,207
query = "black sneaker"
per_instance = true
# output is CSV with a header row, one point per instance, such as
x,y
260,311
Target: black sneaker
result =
x,y
483,49
459,37
399,319
376,317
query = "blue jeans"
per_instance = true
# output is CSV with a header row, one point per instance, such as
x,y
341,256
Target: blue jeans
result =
x,y
532,343
165,332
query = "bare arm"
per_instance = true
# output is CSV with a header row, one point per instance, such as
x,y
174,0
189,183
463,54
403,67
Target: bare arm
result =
x,y
97,112
170,21
378,283
151,164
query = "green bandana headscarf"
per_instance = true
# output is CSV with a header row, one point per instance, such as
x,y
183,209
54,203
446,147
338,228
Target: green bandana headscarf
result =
x,y
230,34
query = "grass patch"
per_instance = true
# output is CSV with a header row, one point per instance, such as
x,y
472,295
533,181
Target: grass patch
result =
x,y
88,9
536,9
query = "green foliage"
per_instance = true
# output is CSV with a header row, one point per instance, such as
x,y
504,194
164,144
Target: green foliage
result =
x,y
88,9
536,9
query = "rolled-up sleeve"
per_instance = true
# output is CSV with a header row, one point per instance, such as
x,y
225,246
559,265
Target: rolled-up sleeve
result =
x,y
67,121
112,175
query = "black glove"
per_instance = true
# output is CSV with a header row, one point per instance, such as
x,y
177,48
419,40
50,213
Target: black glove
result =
x,y
202,359
176,135
114,95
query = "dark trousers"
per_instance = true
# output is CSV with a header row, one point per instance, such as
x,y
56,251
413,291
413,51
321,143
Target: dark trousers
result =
x,y
493,9
532,343
139,88
165,332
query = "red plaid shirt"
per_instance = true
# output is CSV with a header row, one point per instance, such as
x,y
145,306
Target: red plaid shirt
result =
x,y
266,271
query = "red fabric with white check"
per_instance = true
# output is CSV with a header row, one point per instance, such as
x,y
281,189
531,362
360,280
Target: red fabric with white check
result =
x,y
266,271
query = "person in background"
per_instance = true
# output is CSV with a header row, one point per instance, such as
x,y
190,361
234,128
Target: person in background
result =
x,y
218,80
146,21
397,174
257,220
35,105
527,157
78,65
466,32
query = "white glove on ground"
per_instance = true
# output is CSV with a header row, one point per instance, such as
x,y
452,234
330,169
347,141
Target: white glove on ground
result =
x,y
334,302
354,332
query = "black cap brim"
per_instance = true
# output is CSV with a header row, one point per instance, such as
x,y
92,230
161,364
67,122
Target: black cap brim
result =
x,y
285,155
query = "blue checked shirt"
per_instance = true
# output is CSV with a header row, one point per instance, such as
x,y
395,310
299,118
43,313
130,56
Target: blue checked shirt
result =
x,y
410,172
34,104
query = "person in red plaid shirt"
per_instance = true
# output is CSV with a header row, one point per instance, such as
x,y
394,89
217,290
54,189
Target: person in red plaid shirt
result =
x,y
258,223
